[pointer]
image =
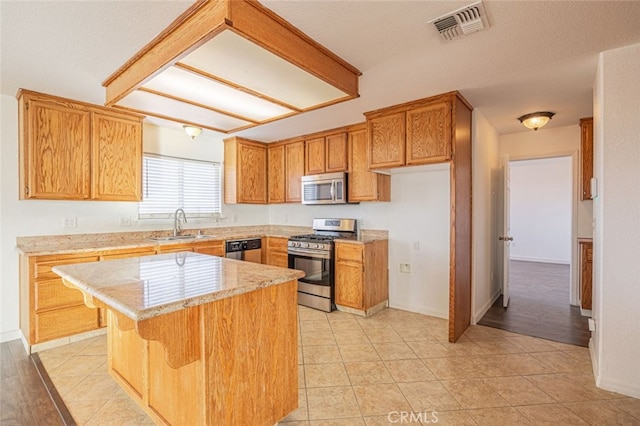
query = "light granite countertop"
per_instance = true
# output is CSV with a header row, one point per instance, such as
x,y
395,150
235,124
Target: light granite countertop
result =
x,y
145,287
79,243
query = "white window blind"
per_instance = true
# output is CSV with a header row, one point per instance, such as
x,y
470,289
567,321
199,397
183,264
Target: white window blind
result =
x,y
169,183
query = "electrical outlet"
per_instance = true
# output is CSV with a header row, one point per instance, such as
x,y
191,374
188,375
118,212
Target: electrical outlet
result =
x,y
125,221
69,222
416,245
234,218
405,268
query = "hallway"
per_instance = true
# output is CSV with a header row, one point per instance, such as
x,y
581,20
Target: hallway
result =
x,y
539,305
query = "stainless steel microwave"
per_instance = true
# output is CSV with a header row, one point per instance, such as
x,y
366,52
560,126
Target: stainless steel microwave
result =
x,y
328,188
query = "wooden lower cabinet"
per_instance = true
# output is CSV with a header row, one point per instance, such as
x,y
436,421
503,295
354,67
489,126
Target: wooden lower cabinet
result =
x,y
586,274
362,274
238,364
49,309
276,253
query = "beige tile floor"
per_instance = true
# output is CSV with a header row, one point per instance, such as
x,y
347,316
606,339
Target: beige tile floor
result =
x,y
369,371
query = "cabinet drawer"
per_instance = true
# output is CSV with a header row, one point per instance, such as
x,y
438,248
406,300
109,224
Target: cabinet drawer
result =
x,y
216,250
348,252
174,248
53,294
146,251
65,322
277,244
43,268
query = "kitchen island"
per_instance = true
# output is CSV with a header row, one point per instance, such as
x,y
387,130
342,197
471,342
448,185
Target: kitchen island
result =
x,y
198,339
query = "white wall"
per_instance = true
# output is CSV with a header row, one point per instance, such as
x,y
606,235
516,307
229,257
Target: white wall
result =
x,y
417,219
553,142
42,217
616,298
486,178
541,201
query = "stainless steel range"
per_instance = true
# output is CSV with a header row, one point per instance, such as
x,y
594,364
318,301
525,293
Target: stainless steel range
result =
x,y
314,254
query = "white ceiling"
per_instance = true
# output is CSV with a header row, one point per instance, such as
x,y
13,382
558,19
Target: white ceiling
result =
x,y
537,55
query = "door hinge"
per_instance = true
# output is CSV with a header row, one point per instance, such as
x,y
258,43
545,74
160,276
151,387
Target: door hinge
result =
x,y
26,190
26,105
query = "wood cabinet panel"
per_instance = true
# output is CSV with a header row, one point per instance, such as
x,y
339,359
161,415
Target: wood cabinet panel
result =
x,y
276,253
65,322
387,135
71,150
349,284
127,355
42,265
362,277
364,185
586,274
117,160
276,174
429,134
294,166
336,153
56,139
586,158
314,158
120,254
52,294
245,171
217,249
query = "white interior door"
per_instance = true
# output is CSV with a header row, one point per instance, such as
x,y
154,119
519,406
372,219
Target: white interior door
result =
x,y
506,229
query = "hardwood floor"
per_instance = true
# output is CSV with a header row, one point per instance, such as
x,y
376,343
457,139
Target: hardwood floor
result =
x,y
539,305
27,392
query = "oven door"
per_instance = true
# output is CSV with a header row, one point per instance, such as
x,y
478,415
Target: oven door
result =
x,y
319,273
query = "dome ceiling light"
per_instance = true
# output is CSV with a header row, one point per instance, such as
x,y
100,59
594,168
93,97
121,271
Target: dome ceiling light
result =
x,y
536,120
228,65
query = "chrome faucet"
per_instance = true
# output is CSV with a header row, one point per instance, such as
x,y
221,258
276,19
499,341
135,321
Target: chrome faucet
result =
x,y
177,225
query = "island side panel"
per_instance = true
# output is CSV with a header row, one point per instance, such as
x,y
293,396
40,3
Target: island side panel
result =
x,y
251,356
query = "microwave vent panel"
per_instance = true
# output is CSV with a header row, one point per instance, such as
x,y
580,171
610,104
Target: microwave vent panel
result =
x,y
461,22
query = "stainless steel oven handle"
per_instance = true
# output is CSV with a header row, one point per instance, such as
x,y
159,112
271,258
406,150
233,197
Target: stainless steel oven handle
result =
x,y
311,253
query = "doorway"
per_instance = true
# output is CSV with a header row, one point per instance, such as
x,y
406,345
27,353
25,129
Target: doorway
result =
x,y
540,211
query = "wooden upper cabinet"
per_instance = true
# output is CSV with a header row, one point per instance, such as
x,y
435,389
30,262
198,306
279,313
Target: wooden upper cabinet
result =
x,y
415,133
294,167
245,171
117,162
326,154
364,185
429,134
55,149
314,157
387,134
336,153
71,150
586,158
276,173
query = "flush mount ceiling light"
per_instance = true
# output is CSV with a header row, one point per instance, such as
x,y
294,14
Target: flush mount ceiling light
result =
x,y
535,120
228,65
192,131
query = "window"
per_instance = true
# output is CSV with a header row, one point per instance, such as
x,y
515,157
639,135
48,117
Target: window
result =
x,y
169,183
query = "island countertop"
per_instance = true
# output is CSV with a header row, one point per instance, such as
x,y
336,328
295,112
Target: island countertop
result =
x,y
145,287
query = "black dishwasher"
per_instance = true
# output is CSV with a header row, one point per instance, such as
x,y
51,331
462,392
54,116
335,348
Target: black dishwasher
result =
x,y
249,250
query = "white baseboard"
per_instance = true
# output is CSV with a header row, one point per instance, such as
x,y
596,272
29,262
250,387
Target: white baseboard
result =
x,y
10,335
483,310
418,310
540,260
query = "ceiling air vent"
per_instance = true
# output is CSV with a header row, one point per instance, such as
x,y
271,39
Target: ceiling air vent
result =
x,y
461,22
